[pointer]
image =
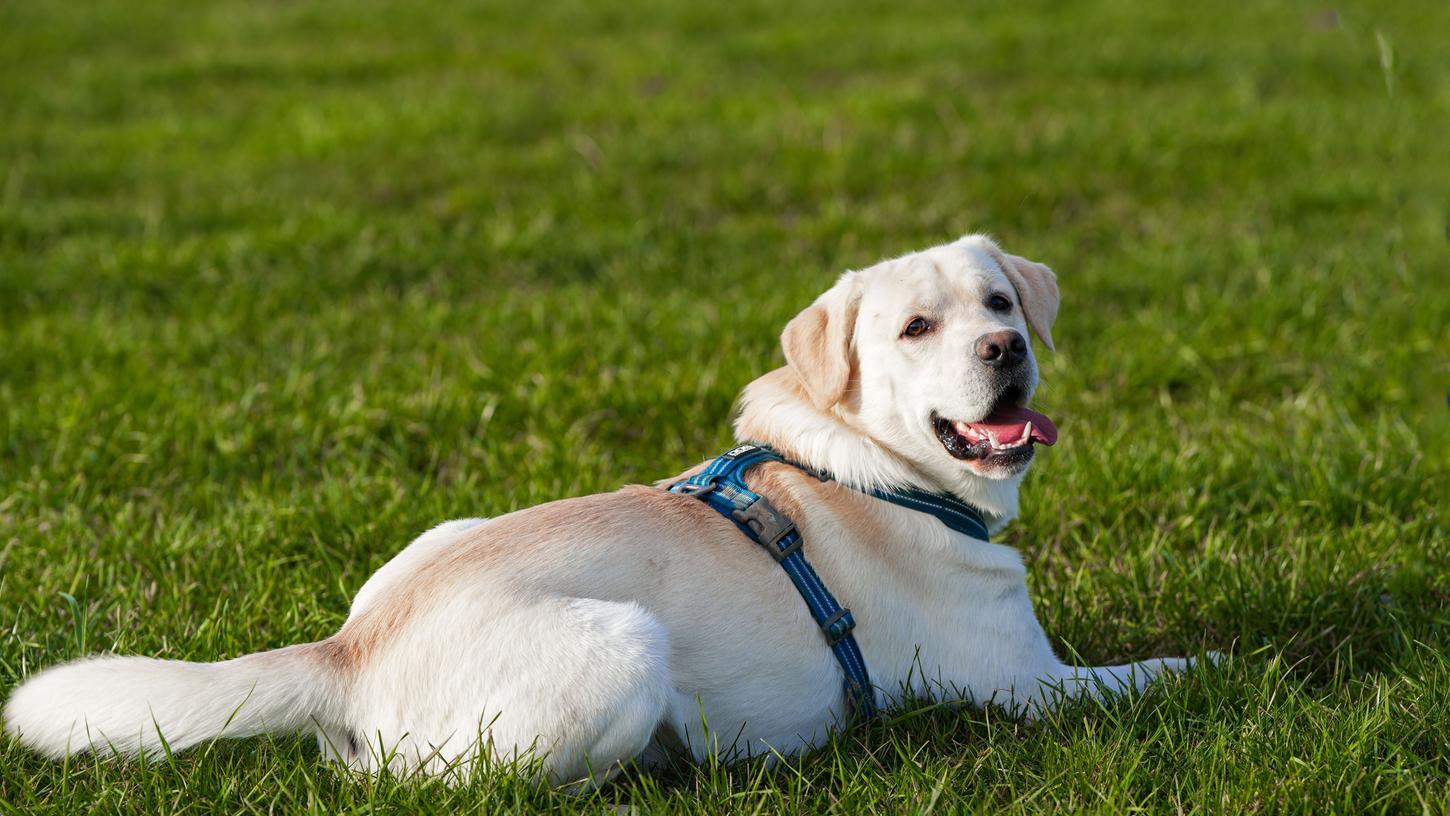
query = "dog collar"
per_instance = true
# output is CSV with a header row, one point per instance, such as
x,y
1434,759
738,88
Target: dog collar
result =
x,y
948,509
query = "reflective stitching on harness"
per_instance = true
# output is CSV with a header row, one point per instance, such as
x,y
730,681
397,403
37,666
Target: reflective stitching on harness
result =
x,y
722,486
949,510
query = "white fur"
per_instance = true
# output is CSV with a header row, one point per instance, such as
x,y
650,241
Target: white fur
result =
x,y
593,631
126,705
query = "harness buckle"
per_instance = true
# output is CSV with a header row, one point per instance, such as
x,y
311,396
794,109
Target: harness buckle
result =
x,y
838,626
768,526
693,489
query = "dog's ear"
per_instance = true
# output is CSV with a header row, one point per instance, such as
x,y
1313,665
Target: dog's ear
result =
x,y
817,342
1036,286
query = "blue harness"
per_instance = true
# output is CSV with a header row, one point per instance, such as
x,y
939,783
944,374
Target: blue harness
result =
x,y
722,486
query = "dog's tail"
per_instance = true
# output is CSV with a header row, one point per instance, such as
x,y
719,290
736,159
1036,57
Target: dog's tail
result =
x,y
133,705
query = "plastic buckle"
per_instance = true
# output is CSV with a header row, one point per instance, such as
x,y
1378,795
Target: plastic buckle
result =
x,y
768,525
693,489
838,626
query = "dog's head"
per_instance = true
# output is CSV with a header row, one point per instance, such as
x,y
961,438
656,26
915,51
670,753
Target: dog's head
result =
x,y
928,355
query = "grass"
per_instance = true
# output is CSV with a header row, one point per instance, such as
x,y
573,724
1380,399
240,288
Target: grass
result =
x,y
282,285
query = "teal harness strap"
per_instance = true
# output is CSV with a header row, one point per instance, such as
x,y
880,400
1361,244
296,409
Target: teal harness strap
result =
x,y
949,510
722,486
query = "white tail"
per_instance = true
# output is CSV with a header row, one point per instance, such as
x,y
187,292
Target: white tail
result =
x,y
127,705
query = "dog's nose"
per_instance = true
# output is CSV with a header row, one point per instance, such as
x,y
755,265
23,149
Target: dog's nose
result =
x,y
1002,349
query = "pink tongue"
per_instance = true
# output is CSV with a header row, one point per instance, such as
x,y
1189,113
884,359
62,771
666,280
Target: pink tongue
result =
x,y
1007,424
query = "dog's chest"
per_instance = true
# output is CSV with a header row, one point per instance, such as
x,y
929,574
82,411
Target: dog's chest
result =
x,y
960,623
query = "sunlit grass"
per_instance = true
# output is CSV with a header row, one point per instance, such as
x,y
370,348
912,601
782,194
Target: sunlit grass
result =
x,y
282,285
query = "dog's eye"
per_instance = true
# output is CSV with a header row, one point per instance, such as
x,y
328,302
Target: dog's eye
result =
x,y
916,328
999,303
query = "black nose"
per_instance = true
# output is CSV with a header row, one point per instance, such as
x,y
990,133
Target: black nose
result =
x,y
1002,349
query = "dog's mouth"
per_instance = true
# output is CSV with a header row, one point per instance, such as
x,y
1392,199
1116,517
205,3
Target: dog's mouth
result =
x,y
1005,436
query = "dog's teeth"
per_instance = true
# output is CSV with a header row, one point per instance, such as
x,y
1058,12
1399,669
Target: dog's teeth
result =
x,y
1026,433
995,443
967,431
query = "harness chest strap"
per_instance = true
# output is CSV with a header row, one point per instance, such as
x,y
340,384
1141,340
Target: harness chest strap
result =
x,y
722,486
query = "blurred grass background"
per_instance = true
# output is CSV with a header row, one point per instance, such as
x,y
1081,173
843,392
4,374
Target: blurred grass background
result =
x,y
284,284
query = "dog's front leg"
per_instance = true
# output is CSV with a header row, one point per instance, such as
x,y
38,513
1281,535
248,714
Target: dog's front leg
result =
x,y
1101,682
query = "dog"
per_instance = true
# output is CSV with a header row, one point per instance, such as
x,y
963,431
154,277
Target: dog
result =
x,y
597,631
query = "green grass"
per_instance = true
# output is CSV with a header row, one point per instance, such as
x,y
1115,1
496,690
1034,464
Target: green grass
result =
x,y
284,284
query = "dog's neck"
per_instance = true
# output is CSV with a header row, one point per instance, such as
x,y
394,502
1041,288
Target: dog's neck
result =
x,y
775,410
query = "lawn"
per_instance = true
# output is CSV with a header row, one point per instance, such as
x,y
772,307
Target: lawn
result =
x,y
284,284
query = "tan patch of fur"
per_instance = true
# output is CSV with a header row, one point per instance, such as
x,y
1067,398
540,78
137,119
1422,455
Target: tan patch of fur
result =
x,y
751,422
804,498
817,344
360,638
337,652
517,538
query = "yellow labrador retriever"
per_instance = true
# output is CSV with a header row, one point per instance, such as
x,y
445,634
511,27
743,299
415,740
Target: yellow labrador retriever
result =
x,y
592,630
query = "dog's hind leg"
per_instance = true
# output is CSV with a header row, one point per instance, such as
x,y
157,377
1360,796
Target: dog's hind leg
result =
x,y
577,685
610,691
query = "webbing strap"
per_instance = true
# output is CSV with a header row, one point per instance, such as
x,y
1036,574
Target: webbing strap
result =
x,y
722,486
949,510
954,513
